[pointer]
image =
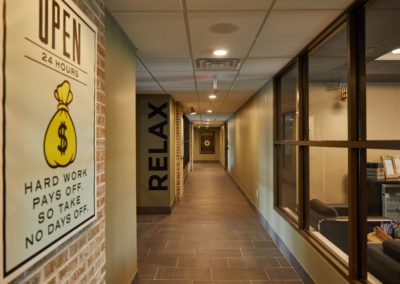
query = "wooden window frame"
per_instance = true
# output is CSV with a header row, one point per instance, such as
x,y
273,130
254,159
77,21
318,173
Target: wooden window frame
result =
x,y
356,144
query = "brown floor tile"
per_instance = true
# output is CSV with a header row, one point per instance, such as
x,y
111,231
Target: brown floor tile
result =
x,y
187,244
255,236
218,252
143,252
277,282
238,274
228,244
211,237
154,261
253,262
202,262
172,253
157,244
223,282
162,236
165,282
283,262
264,244
282,274
268,252
147,272
194,236
195,273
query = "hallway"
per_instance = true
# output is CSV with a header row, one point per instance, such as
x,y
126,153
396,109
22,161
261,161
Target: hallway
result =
x,y
212,236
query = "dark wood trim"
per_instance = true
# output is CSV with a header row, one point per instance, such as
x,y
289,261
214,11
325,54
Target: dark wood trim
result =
x,y
326,34
302,135
154,210
357,157
226,148
275,154
371,144
377,144
290,219
337,144
357,143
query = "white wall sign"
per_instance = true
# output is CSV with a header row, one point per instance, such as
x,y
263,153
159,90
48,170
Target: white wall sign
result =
x,y
47,129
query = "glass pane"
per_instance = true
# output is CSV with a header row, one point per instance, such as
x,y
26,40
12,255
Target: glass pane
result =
x,y
328,89
288,179
289,94
329,198
383,70
383,220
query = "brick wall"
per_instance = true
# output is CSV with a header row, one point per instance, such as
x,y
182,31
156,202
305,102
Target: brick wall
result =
x,y
178,152
82,258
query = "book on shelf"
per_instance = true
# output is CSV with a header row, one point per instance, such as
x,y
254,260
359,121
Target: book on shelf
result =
x,y
376,171
376,177
374,166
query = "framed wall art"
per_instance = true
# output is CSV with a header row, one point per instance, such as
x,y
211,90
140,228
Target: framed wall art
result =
x,y
207,142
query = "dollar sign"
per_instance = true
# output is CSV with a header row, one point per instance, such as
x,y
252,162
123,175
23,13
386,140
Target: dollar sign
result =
x,y
63,140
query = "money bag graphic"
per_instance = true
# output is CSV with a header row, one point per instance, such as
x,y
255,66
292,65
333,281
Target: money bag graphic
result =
x,y
60,138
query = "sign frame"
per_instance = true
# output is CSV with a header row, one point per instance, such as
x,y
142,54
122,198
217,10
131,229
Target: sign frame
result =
x,y
7,276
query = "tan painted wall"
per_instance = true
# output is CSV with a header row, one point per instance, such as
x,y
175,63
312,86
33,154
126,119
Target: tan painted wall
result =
x,y
145,141
250,163
121,248
196,147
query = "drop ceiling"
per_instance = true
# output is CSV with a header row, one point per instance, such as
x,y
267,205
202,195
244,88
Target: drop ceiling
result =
x,y
171,35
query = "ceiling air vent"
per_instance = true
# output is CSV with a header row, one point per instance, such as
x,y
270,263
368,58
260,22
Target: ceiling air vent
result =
x,y
217,64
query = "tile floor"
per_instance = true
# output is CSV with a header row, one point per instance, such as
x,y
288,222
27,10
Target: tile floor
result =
x,y
211,237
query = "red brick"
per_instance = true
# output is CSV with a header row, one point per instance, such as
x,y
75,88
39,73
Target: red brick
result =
x,y
55,264
66,270
77,246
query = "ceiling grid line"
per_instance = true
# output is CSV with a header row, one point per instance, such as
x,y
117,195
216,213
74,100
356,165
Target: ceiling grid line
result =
x,y
269,11
189,41
151,74
171,35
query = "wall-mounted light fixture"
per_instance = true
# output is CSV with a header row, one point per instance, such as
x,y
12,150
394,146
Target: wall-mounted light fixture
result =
x,y
213,95
343,91
192,111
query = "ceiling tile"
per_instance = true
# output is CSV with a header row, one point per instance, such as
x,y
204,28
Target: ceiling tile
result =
x,y
296,25
143,5
312,4
278,48
252,85
204,41
167,65
262,66
156,35
226,5
152,49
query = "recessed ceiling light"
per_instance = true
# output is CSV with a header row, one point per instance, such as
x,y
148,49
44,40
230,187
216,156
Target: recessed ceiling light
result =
x,y
396,51
212,97
220,52
209,111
